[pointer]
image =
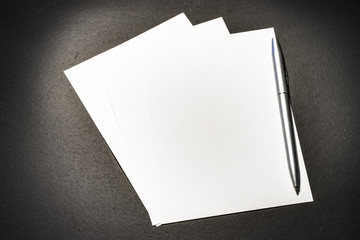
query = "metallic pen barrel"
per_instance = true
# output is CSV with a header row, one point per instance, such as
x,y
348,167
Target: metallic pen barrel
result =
x,y
289,136
286,116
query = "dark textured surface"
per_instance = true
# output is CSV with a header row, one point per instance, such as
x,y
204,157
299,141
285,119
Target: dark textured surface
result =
x,y
59,180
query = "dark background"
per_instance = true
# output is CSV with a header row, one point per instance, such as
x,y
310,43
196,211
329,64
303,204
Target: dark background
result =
x,y
58,178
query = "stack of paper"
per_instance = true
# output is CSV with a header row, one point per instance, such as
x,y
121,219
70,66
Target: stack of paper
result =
x,y
191,114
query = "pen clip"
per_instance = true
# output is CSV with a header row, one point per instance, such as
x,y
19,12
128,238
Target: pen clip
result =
x,y
284,66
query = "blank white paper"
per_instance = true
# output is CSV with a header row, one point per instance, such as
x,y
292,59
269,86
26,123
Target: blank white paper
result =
x,y
216,131
86,78
192,116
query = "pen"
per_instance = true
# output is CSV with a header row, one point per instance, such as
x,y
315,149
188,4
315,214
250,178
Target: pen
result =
x,y
286,114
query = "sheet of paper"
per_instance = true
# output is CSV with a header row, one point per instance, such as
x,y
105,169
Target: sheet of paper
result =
x,y
216,131
88,85
127,93
86,80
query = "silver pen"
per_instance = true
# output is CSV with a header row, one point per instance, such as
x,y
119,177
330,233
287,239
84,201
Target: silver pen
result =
x,y
286,114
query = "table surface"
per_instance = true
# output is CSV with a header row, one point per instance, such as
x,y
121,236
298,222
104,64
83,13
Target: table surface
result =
x,y
58,178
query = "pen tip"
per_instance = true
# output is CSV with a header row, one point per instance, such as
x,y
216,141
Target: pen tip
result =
x,y
297,189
